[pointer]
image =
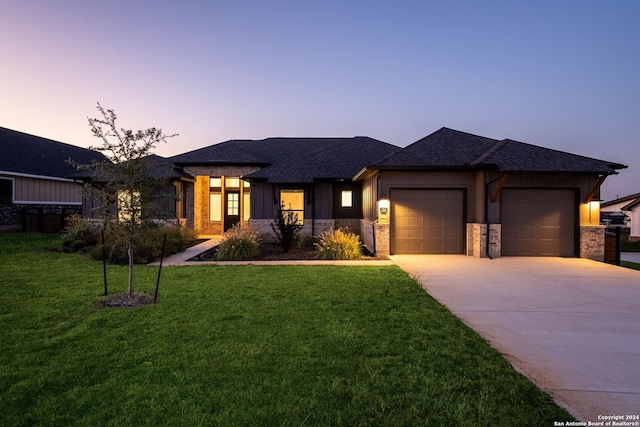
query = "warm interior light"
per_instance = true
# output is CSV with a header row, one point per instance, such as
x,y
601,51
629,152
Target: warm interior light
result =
x,y
594,211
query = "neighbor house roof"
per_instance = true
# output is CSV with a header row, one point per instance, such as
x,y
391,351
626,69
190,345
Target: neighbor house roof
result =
x,y
455,150
33,155
631,201
292,160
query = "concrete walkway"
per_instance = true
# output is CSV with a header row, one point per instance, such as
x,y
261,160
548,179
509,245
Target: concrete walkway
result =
x,y
630,256
180,259
571,325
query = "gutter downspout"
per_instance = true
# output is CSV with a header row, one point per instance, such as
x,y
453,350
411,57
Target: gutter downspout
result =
x,y
313,209
373,233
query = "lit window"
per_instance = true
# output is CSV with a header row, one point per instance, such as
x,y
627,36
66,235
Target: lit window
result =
x,y
293,201
347,198
232,182
233,204
129,206
246,202
215,199
215,206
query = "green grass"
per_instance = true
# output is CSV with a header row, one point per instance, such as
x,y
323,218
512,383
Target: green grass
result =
x,y
629,264
243,345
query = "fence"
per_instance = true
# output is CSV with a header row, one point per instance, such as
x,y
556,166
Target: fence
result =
x,y
46,220
612,246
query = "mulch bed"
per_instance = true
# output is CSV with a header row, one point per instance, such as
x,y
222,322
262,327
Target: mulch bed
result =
x,y
268,252
126,300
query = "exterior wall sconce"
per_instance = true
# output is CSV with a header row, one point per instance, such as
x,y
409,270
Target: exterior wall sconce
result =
x,y
594,211
384,206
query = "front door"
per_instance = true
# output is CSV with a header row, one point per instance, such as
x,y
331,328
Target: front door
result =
x,y
231,209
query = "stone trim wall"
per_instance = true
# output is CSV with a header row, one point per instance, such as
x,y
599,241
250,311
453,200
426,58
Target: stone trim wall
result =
x,y
592,242
366,234
477,240
263,226
383,239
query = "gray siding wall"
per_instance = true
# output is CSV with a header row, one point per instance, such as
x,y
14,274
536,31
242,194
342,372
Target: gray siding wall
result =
x,y
44,191
370,198
265,198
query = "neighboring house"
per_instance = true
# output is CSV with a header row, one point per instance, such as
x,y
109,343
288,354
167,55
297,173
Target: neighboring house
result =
x,y
446,190
242,181
166,203
34,188
624,210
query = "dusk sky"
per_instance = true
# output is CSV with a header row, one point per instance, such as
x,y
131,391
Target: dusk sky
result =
x,y
559,74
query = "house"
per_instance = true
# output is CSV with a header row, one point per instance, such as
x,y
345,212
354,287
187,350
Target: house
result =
x,y
626,212
166,202
35,191
449,193
458,193
245,181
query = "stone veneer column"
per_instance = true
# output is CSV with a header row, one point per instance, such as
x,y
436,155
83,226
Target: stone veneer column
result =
x,y
383,241
592,242
477,240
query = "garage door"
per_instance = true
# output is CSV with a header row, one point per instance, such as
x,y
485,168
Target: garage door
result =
x,y
538,222
427,221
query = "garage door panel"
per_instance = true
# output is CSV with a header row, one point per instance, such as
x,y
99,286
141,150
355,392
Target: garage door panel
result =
x,y
427,221
538,222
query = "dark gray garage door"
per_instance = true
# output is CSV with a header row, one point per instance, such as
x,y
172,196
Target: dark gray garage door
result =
x,y
427,221
538,222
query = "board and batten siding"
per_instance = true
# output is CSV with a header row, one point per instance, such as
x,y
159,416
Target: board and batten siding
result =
x,y
44,191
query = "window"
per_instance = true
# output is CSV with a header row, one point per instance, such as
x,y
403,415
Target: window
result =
x,y
232,182
246,202
347,199
233,204
215,199
6,191
293,201
129,206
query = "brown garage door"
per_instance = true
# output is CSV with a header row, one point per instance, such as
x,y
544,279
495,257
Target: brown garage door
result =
x,y
538,222
427,221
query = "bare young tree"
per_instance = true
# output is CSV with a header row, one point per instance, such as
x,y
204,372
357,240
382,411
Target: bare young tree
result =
x,y
124,181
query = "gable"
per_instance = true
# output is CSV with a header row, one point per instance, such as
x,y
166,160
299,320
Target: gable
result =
x,y
448,149
292,160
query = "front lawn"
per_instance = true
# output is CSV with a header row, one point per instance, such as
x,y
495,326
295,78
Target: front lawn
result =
x,y
629,264
243,345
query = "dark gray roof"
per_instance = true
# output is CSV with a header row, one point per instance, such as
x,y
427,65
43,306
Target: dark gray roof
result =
x,y
29,154
452,149
293,160
631,201
158,167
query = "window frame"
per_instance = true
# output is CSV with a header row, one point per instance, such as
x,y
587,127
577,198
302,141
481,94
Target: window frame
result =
x,y
299,212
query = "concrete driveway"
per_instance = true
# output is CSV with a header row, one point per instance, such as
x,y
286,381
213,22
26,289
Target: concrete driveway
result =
x,y
571,325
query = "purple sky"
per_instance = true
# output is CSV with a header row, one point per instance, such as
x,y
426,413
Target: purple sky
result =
x,y
560,74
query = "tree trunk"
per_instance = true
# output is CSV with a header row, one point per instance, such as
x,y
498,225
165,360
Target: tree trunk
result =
x,y
130,253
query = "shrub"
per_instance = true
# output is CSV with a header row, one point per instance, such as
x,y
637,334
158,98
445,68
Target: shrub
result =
x,y
149,247
630,246
338,244
238,244
306,241
286,228
80,232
